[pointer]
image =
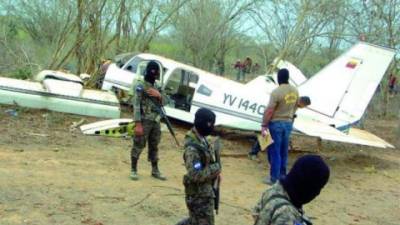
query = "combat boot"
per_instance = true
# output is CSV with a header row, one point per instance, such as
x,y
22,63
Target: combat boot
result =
x,y
134,175
155,172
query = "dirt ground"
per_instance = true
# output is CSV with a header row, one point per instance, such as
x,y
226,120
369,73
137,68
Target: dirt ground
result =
x,y
50,174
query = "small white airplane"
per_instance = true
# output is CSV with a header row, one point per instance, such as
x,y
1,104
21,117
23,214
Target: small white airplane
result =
x,y
339,94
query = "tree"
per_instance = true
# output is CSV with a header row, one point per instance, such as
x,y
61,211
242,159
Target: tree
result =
x,y
293,26
378,22
141,21
47,25
207,29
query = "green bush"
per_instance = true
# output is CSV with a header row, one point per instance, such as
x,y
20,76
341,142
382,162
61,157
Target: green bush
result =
x,y
22,73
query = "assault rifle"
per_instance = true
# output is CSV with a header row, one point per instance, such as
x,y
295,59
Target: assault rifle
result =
x,y
217,181
163,115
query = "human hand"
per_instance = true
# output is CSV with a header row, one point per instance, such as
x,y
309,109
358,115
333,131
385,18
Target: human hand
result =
x,y
139,129
154,93
264,131
215,169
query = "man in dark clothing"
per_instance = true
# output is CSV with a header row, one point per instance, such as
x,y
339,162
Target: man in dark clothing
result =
x,y
147,120
247,64
282,204
240,70
202,169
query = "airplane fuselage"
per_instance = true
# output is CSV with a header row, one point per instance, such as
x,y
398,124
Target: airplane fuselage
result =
x,y
339,93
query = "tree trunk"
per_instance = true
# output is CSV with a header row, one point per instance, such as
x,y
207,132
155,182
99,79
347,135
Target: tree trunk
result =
x,y
78,43
119,26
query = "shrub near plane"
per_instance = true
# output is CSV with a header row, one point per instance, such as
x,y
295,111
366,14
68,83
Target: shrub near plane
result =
x,y
339,93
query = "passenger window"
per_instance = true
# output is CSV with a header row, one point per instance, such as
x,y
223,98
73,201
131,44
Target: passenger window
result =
x,y
204,90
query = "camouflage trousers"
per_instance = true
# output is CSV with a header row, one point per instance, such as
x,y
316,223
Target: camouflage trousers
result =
x,y
201,211
152,135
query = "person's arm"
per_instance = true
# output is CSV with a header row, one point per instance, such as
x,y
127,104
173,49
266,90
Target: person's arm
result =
x,y
196,171
157,93
269,111
153,92
137,96
137,116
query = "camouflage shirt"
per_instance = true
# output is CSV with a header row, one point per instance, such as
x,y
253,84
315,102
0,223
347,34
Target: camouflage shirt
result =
x,y
200,165
275,208
143,108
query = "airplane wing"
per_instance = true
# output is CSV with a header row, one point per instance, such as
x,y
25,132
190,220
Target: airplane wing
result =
x,y
315,129
111,128
239,124
326,132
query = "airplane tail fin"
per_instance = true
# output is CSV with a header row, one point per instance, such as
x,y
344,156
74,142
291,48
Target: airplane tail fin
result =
x,y
343,89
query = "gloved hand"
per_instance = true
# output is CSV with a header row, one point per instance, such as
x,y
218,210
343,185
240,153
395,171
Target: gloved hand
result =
x,y
154,93
138,129
264,131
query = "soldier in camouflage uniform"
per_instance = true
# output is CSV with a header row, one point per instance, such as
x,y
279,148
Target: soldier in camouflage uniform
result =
x,y
147,121
282,203
202,170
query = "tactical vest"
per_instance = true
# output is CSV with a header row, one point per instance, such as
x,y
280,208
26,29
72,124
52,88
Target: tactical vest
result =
x,y
147,109
204,189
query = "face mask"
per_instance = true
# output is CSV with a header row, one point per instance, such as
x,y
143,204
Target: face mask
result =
x,y
151,77
152,72
305,180
205,128
204,121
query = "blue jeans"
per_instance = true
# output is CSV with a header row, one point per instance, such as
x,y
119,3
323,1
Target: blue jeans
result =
x,y
278,151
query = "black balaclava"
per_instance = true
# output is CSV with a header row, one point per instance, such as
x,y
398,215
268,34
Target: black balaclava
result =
x,y
283,76
306,179
204,120
152,72
305,100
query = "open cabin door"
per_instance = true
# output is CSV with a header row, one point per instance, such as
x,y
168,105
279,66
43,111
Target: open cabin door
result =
x,y
180,88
